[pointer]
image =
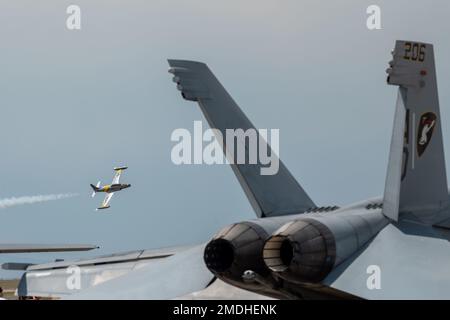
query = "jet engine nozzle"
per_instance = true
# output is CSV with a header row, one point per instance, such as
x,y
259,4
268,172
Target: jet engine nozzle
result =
x,y
302,250
307,249
219,255
235,249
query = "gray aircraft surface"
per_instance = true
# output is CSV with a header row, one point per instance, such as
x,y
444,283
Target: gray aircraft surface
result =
x,y
34,247
391,247
38,248
109,189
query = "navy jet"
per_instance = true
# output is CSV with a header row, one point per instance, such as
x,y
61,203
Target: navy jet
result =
x,y
390,247
109,189
395,246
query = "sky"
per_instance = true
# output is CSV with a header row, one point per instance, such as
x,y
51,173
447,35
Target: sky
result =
x,y
76,103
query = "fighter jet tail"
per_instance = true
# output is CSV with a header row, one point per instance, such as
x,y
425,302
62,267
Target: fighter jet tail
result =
x,y
270,195
416,181
95,188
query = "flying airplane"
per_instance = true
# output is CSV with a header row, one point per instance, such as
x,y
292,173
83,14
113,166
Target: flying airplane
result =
x,y
110,188
394,246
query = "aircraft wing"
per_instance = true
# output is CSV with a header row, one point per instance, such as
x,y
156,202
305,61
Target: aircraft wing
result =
x,y
143,274
20,248
119,171
116,178
105,203
178,275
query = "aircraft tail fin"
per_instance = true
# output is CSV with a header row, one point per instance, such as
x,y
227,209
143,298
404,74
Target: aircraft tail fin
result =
x,y
416,181
95,188
270,195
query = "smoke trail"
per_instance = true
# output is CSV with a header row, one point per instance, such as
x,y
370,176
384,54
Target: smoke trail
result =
x,y
11,202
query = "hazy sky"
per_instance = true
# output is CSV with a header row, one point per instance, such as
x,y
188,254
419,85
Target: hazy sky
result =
x,y
74,104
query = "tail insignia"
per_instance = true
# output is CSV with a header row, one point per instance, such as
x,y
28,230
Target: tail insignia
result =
x,y
426,127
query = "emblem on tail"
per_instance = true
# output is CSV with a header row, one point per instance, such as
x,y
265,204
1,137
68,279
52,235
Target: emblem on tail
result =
x,y
425,132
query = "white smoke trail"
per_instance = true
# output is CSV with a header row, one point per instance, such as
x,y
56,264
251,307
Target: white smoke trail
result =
x,y
17,201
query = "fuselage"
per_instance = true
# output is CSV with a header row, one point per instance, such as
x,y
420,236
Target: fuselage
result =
x,y
113,187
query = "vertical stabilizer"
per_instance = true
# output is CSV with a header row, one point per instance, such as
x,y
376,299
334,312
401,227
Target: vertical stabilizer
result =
x,y
270,195
416,181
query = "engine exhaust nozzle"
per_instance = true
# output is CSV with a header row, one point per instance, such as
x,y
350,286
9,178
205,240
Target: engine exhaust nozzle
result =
x,y
236,249
307,249
302,250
